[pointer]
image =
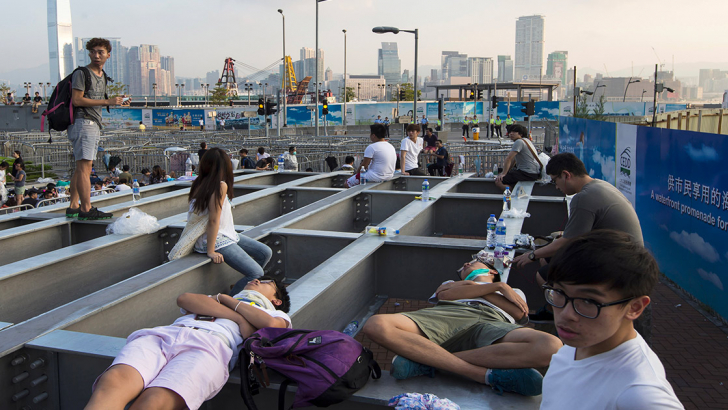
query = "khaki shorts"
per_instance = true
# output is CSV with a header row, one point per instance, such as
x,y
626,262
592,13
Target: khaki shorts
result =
x,y
84,136
457,327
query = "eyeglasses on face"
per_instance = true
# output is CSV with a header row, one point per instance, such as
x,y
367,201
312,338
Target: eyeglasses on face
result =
x,y
269,281
588,308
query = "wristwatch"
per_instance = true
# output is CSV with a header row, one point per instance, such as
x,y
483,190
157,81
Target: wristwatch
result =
x,y
532,255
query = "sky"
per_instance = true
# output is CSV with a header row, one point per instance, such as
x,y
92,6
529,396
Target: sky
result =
x,y
605,36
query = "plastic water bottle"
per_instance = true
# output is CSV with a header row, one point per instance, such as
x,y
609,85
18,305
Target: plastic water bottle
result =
x,y
500,244
362,176
351,328
425,191
460,169
507,199
136,196
498,258
188,167
490,238
495,169
281,163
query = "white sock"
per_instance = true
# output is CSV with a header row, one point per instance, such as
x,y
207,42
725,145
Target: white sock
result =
x,y
487,374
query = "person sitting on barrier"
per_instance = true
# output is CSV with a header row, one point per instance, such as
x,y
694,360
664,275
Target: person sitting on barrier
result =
x,y
98,188
607,276
126,174
211,193
290,162
3,191
10,202
158,175
348,164
146,177
114,174
262,154
441,158
181,365
521,163
245,161
473,331
430,140
37,101
123,185
26,99
410,151
32,198
265,164
379,159
203,149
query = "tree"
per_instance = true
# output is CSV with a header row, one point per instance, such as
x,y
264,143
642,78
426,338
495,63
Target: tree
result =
x,y
598,112
219,95
582,107
117,89
4,89
409,92
350,95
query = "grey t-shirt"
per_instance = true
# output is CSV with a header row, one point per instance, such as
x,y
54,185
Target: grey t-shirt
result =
x,y
19,184
96,92
600,205
524,158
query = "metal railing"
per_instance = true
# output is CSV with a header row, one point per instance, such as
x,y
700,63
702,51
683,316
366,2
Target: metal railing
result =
x,y
16,208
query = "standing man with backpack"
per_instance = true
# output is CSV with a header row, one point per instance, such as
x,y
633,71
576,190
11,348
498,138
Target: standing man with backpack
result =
x,y
85,132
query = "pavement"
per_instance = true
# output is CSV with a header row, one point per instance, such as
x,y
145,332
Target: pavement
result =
x,y
693,349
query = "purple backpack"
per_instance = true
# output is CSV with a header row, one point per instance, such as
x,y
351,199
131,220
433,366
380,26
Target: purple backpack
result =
x,y
326,365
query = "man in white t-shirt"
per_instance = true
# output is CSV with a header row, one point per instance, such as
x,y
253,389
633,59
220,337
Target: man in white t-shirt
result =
x,y
379,159
598,284
186,363
410,150
473,331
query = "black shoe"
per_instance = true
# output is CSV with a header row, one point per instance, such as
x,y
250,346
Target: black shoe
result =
x,y
543,315
72,212
93,214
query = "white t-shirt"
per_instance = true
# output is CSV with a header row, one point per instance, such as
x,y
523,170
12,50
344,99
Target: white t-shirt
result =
x,y
384,157
230,329
413,150
261,156
122,187
434,299
630,376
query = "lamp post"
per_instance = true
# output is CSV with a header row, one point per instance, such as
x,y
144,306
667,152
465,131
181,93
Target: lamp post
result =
x,y
285,73
154,87
207,89
382,30
182,93
597,89
27,86
627,87
659,87
358,91
248,87
177,85
381,91
345,91
642,98
317,69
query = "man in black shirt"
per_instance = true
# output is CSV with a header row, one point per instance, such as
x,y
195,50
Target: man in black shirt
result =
x,y
265,164
26,99
441,162
37,100
245,161
32,198
202,150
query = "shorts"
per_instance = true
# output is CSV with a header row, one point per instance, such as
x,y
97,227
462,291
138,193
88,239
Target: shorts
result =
x,y
84,136
189,362
19,192
515,175
457,327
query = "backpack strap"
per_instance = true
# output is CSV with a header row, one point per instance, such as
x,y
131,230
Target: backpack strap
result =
x,y
107,80
282,394
248,384
530,148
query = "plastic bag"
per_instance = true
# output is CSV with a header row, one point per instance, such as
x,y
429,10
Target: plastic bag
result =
x,y
418,401
133,222
515,213
46,180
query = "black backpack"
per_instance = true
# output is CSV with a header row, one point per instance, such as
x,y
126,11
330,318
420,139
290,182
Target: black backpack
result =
x,y
60,107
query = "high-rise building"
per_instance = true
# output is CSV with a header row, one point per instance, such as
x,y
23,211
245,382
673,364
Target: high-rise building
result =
x,y
454,64
212,77
60,40
505,69
367,87
146,67
405,76
480,70
388,63
434,77
307,66
556,69
329,74
115,66
529,47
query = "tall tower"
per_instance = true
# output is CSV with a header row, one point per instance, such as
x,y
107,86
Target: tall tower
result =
x,y
60,39
388,63
529,47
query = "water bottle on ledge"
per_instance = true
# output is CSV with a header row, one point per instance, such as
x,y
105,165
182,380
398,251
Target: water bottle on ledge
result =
x,y
425,191
507,199
351,328
490,238
135,194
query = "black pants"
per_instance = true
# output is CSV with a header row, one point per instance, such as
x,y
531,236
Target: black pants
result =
x,y
499,131
435,170
466,131
416,171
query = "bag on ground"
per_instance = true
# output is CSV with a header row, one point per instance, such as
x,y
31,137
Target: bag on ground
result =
x,y
133,222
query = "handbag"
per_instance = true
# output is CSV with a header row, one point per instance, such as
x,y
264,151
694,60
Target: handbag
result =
x,y
196,226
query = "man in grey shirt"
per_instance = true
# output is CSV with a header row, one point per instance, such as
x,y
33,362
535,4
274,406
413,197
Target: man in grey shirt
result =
x,y
521,163
85,132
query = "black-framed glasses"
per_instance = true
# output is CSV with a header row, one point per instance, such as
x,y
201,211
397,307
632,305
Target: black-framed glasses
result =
x,y
588,308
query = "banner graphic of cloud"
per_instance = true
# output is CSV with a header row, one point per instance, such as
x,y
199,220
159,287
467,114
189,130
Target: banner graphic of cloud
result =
x,y
696,244
704,153
711,277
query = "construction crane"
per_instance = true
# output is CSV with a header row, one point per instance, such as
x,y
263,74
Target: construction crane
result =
x,y
659,60
227,79
288,82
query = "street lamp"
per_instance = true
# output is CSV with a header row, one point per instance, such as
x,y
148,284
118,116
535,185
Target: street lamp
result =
x,y
345,92
643,95
317,68
27,86
394,30
177,85
182,93
627,87
659,87
358,91
207,89
154,87
597,89
285,73
248,88
381,91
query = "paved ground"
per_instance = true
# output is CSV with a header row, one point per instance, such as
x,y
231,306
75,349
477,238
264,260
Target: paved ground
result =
x,y
693,350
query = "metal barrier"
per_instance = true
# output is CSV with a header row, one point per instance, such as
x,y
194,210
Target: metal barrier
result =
x,y
52,201
16,208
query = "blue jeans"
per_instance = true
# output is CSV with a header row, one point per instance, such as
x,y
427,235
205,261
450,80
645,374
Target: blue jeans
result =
x,y
248,257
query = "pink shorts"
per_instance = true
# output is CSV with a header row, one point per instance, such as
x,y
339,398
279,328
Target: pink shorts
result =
x,y
189,362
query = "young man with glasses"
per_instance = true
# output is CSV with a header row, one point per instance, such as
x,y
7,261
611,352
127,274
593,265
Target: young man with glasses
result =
x,y
474,330
598,285
186,363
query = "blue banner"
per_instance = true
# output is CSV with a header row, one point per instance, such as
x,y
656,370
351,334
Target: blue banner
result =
x,y
594,142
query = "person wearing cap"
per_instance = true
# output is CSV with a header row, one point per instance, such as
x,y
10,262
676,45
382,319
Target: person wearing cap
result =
x,y
474,330
32,198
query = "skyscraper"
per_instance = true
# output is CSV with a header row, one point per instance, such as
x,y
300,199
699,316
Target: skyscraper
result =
x,y
480,70
388,63
60,39
556,68
145,67
529,47
454,64
307,66
505,69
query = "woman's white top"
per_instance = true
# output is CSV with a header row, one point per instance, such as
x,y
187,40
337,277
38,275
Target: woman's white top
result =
x,y
226,234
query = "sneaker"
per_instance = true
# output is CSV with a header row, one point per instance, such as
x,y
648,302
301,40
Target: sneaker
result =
x,y
527,382
543,315
403,368
72,212
93,214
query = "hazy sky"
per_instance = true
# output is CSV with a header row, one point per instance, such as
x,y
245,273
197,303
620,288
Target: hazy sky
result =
x,y
201,33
